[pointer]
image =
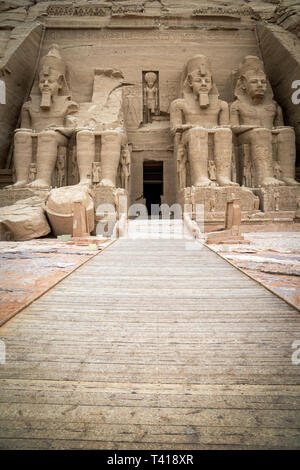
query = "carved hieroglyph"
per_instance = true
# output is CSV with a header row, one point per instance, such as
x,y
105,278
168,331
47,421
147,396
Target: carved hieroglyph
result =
x,y
257,120
61,167
197,114
181,161
150,96
45,115
96,173
125,167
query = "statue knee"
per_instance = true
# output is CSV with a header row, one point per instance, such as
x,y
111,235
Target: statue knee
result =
x,y
47,136
222,135
197,134
286,134
260,135
198,131
112,138
85,135
22,137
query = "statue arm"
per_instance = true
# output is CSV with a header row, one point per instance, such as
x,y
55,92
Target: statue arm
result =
x,y
176,118
236,125
72,107
278,121
70,121
234,114
25,117
145,94
156,96
224,114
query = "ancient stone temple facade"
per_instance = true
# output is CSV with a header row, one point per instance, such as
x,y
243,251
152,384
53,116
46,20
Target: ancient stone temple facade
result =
x,y
161,101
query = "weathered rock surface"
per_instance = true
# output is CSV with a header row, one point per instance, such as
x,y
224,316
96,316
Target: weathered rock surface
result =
x,y
17,69
281,56
138,38
24,220
60,210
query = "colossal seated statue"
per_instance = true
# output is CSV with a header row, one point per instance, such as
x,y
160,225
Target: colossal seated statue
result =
x,y
101,118
45,116
198,113
257,121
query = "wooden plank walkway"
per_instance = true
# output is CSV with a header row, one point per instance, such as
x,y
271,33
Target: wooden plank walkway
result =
x,y
152,346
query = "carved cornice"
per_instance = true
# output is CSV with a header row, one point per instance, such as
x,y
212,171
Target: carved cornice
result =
x,y
61,10
223,11
127,10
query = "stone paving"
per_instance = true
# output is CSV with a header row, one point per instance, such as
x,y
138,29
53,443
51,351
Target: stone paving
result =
x,y
272,258
30,268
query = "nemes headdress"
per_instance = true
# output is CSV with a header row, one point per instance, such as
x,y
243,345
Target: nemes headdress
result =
x,y
253,64
198,63
53,61
250,63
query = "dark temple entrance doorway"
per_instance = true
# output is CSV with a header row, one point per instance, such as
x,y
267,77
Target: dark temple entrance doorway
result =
x,y
153,184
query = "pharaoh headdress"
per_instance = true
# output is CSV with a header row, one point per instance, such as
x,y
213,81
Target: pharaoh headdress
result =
x,y
199,63
255,65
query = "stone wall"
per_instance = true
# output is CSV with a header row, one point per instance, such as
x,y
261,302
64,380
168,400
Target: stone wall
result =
x,y
17,69
281,55
135,36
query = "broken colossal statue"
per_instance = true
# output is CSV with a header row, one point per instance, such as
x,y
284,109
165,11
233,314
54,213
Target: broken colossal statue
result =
x,y
196,115
101,120
258,122
45,117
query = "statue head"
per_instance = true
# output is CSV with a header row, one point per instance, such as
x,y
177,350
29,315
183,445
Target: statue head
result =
x,y
51,76
198,80
252,79
199,74
255,84
150,79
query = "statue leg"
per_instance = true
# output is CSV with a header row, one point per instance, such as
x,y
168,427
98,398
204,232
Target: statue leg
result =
x,y
85,141
262,158
223,156
287,155
197,140
48,142
22,157
110,156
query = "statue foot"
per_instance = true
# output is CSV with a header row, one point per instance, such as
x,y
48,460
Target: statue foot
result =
x,y
38,184
223,181
107,183
290,182
272,182
204,182
18,184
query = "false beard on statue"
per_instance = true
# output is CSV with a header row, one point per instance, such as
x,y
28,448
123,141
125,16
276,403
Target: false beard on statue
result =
x,y
203,100
46,100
